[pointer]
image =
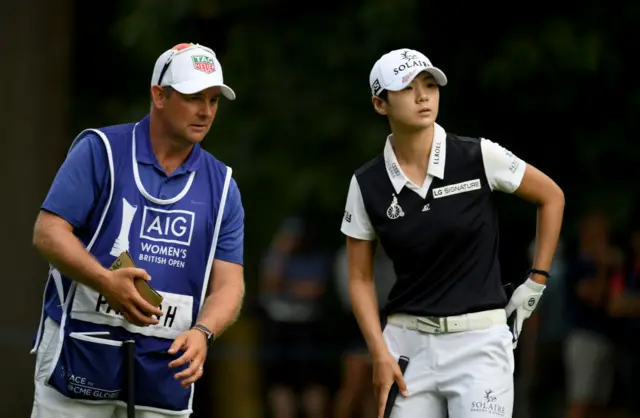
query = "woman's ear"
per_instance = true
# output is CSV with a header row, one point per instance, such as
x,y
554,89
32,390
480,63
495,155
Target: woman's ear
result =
x,y
379,105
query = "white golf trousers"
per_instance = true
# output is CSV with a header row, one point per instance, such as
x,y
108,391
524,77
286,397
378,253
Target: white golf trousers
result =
x,y
465,374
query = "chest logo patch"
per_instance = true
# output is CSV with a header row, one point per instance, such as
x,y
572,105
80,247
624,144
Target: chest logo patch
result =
x,y
464,187
394,211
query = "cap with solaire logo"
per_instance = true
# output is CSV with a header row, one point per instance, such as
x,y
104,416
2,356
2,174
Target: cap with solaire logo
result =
x,y
395,70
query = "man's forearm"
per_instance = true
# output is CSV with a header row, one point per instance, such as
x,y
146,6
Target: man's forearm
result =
x,y
549,224
222,307
64,251
365,308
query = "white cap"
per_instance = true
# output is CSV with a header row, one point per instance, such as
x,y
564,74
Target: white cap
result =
x,y
190,68
396,69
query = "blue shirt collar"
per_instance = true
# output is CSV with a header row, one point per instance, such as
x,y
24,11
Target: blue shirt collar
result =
x,y
145,155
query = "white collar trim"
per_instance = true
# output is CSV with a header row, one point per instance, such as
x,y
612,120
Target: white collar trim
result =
x,y
437,160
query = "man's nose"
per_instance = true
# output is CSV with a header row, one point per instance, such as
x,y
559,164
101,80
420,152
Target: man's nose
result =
x,y
207,109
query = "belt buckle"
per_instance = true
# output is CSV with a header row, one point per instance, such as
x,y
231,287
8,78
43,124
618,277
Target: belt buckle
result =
x,y
429,324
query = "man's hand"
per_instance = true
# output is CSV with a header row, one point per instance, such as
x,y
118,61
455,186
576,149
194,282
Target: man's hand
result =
x,y
386,371
523,301
194,345
122,295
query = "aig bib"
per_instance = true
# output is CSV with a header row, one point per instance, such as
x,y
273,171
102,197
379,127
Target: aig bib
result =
x,y
174,240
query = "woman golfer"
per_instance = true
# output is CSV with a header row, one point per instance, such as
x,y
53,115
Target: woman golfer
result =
x,y
428,199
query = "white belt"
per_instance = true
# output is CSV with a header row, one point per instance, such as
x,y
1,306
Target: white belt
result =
x,y
441,325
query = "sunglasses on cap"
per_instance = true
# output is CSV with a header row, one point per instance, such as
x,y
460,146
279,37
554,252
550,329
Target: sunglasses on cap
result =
x,y
177,50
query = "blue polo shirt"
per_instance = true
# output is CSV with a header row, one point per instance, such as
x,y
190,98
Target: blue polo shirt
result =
x,y
84,176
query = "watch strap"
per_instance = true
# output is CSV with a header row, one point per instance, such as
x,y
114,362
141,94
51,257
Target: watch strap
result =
x,y
206,331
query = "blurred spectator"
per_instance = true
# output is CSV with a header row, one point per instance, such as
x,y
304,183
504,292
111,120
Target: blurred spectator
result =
x,y
294,278
539,387
624,304
355,396
590,349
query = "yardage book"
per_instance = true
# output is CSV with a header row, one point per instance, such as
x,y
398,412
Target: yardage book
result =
x,y
147,292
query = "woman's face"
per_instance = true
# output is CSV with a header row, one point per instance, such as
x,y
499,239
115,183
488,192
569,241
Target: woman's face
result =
x,y
413,108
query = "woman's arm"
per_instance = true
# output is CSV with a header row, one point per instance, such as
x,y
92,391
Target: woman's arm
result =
x,y
362,291
365,308
537,188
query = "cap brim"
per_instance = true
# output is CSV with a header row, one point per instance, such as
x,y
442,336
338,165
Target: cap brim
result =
x,y
436,73
195,86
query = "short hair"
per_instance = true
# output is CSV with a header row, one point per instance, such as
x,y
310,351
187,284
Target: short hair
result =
x,y
168,90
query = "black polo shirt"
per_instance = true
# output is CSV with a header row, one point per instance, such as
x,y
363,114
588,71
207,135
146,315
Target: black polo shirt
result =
x,y
442,236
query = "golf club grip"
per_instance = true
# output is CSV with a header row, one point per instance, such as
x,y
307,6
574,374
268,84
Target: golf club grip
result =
x,y
131,401
403,362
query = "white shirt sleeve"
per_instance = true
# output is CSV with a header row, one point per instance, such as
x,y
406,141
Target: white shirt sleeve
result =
x,y
504,170
356,222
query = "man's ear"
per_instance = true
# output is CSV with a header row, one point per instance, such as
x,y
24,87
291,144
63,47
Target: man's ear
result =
x,y
379,105
158,94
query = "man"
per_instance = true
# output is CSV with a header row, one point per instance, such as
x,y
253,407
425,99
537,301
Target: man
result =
x,y
150,189
590,346
294,275
428,199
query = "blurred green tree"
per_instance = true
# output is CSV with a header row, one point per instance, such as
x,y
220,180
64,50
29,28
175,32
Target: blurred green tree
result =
x,y
546,84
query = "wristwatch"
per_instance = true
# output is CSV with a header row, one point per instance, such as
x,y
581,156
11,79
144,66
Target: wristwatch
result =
x,y
206,331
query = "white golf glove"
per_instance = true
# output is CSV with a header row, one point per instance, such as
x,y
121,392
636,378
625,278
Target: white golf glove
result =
x,y
523,301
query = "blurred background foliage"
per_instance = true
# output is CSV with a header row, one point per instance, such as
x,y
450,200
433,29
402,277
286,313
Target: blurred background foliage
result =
x,y
547,81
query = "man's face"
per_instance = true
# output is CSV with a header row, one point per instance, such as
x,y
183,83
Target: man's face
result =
x,y
416,106
189,116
